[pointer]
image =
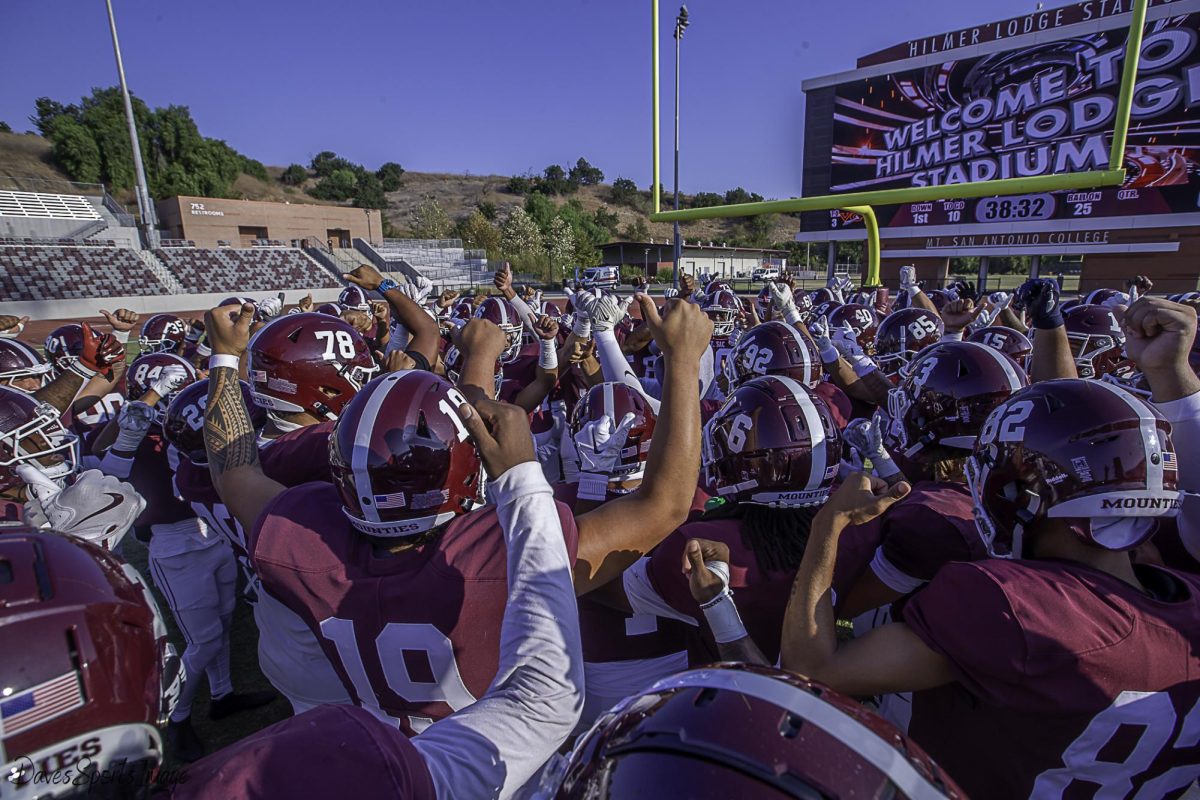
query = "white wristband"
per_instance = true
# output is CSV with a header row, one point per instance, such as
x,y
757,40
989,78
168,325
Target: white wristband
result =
x,y
792,316
79,369
592,487
723,618
951,337
224,360
863,366
121,336
129,440
582,327
547,354
829,354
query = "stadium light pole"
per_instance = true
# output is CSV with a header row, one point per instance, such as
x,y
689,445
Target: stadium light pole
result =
x,y
681,23
145,206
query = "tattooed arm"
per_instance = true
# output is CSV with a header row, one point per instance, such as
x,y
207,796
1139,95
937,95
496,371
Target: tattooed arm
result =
x,y
229,436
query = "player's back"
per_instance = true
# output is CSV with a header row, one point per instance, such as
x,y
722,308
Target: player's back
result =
x,y
415,634
1068,678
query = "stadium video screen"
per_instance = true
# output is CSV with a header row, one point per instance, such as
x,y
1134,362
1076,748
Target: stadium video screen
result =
x,y
1047,108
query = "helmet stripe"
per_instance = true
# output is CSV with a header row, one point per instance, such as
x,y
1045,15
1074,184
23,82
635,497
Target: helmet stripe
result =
x,y
1014,380
798,336
610,405
877,752
360,457
816,430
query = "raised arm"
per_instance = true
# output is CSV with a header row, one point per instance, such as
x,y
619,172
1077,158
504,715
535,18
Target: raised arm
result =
x,y
615,535
495,745
421,327
1051,357
531,397
889,659
229,436
100,352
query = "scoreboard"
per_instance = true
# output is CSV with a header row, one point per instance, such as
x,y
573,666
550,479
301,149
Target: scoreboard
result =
x,y
1095,204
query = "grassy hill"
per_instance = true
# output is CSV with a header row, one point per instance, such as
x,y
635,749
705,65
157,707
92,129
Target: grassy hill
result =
x,y
27,156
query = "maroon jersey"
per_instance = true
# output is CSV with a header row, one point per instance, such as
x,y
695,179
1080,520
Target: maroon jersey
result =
x,y
642,361
929,528
1071,682
193,484
152,476
413,635
299,456
97,416
292,758
520,372
761,596
571,387
839,404
612,635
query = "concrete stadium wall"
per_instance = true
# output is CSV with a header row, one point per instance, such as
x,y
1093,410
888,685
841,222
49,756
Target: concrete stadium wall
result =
x,y
81,309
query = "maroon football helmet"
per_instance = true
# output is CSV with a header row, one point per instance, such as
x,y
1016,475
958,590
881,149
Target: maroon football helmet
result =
x,y
355,297
183,427
21,367
401,458
145,370
940,298
1087,451
1099,297
310,363
740,731
825,308
31,431
773,443
463,310
63,345
500,312
723,308
944,397
716,285
775,348
332,309
1067,305
824,296
88,670
454,364
903,334
162,333
763,305
1012,343
615,400
1097,342
862,320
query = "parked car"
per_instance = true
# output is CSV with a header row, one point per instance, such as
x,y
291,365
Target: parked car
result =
x,y
766,274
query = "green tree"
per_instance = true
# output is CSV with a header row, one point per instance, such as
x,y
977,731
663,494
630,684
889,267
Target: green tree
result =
x,y
560,242
519,235
541,210
624,192
5,127
327,162
389,176
554,181
584,174
706,200
488,209
337,185
74,149
368,192
429,221
519,184
740,195
478,232
294,175
255,169
636,231
607,219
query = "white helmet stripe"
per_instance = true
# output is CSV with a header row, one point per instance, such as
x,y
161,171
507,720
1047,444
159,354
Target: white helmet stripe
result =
x,y
799,337
610,403
360,457
872,747
1150,441
1014,380
812,420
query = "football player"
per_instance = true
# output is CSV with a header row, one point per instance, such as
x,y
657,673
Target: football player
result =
x,y
361,559
488,748
191,564
1024,664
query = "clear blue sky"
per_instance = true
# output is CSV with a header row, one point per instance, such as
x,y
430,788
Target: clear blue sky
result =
x,y
473,85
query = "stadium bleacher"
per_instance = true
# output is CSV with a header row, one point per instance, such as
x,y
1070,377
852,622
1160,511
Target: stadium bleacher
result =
x,y
39,205
259,269
40,272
